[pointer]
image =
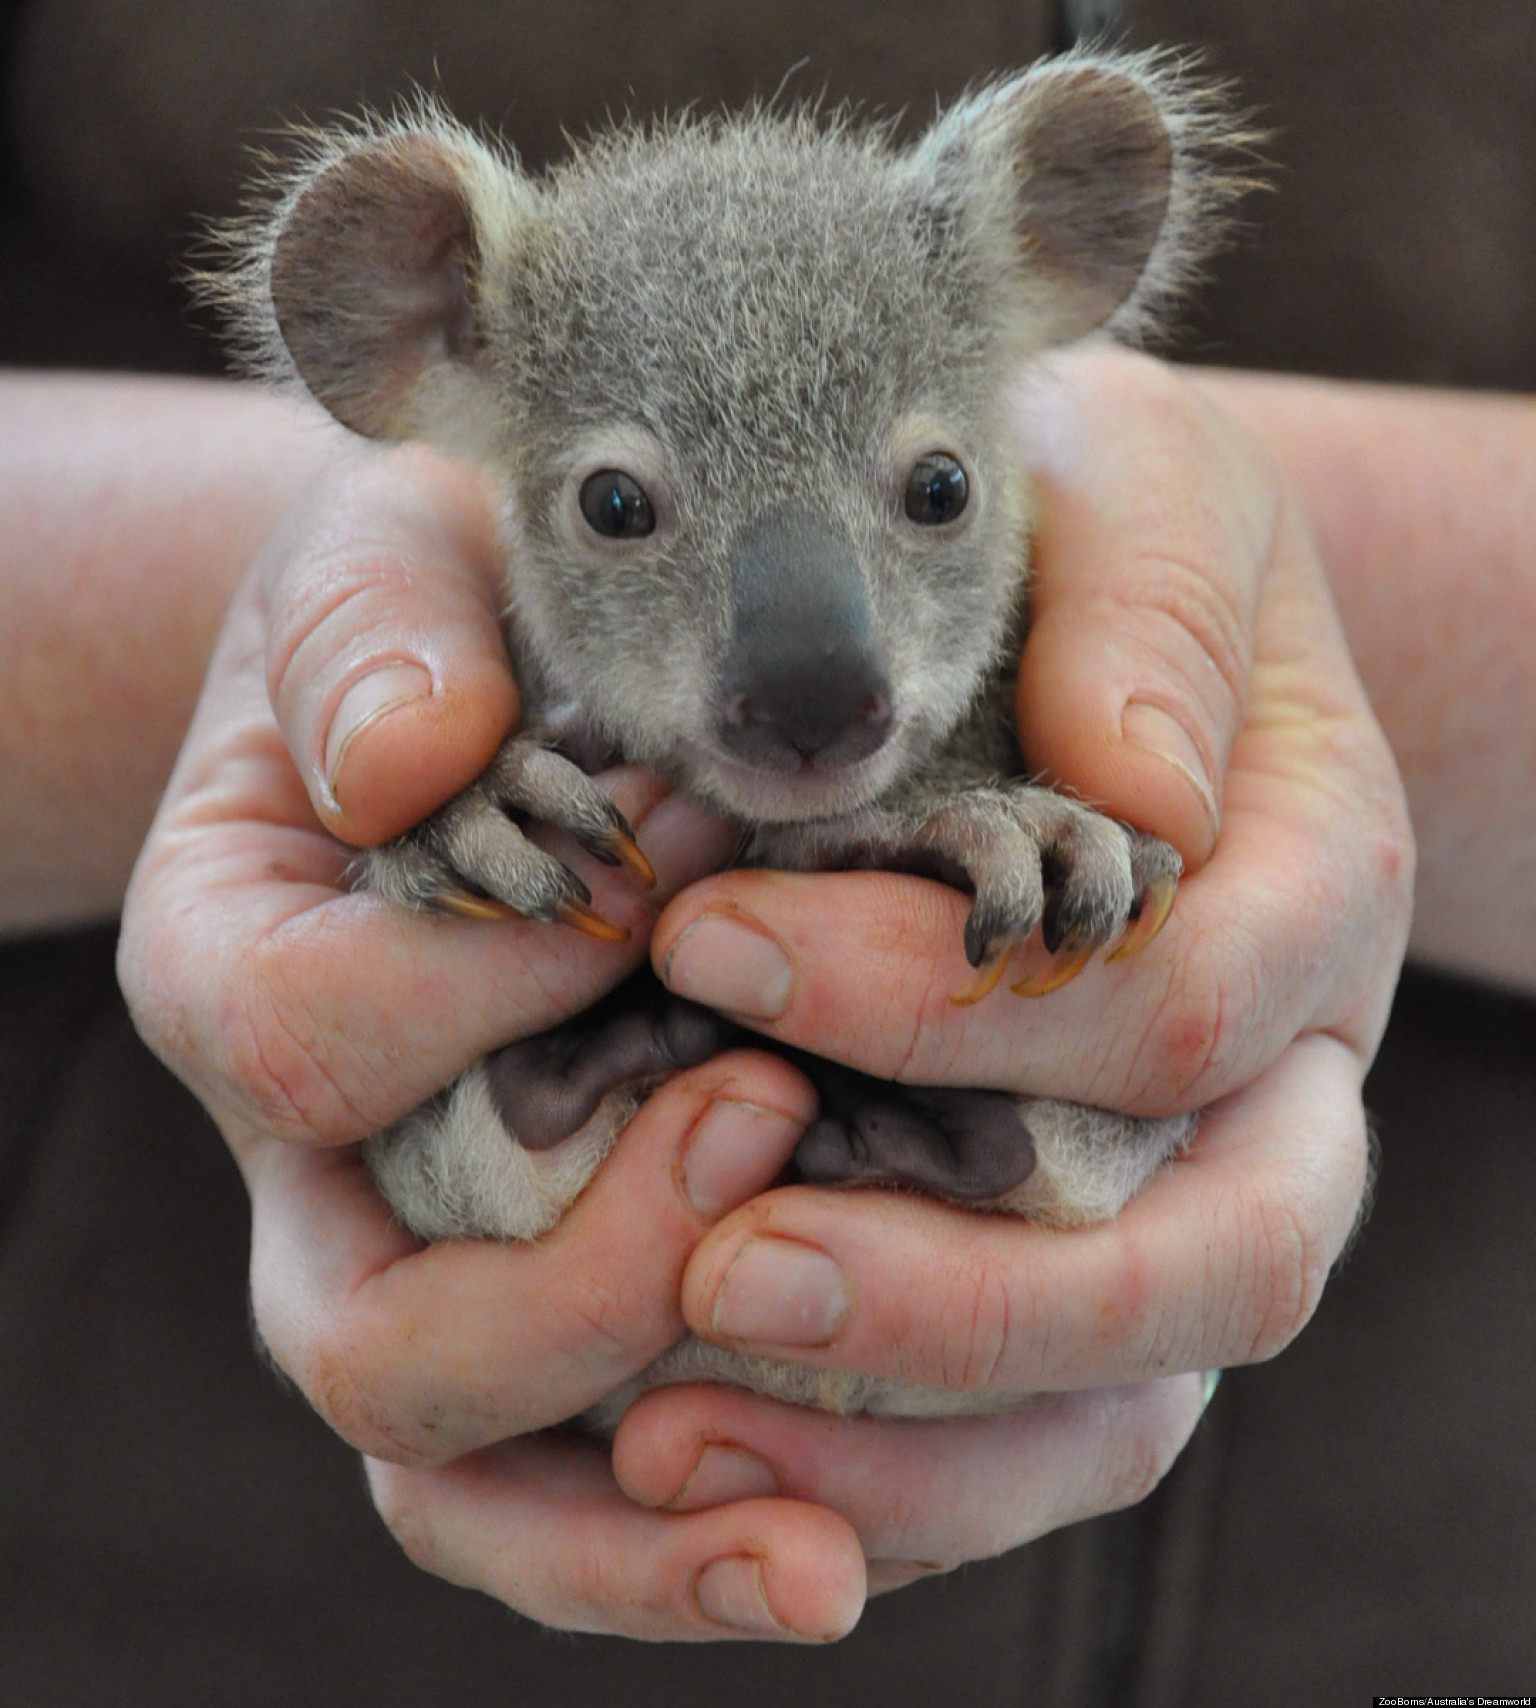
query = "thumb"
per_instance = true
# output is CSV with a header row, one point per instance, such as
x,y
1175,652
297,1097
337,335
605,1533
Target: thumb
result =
x,y
1156,523
385,661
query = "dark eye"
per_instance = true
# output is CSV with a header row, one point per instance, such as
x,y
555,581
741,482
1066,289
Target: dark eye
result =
x,y
936,490
615,506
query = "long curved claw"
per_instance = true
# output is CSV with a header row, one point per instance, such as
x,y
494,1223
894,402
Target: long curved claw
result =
x,y
591,922
1156,905
989,975
468,906
1066,966
628,850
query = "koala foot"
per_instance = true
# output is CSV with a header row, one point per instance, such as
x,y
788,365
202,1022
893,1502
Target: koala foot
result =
x,y
471,858
1089,1163
1059,1163
967,1146
506,1148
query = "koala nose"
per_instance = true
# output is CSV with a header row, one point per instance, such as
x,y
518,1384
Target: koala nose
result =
x,y
804,679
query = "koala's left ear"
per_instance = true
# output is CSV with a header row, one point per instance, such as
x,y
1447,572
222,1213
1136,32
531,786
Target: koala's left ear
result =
x,y
1088,186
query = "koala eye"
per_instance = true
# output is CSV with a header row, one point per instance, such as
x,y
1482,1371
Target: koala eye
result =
x,y
937,490
615,506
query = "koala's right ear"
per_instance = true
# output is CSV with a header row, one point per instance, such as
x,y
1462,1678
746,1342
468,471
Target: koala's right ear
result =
x,y
371,274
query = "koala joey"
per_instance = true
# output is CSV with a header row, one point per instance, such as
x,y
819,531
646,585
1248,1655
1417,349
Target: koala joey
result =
x,y
741,383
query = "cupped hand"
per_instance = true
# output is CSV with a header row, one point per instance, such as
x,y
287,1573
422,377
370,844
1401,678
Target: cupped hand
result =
x,y
360,679
1186,671
1171,577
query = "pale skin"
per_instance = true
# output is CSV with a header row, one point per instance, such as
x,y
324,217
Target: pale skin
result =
x,y
721,1513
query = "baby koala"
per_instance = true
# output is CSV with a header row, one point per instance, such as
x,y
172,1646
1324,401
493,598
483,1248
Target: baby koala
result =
x,y
742,383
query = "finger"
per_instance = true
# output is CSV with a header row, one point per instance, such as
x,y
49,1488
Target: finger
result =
x,y
1220,1260
1142,610
384,656
540,1524
422,1353
925,1495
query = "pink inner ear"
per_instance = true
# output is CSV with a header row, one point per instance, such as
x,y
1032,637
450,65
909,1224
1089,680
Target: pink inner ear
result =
x,y
1097,165
371,278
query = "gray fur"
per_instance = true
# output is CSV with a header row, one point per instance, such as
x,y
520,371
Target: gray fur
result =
x,y
768,322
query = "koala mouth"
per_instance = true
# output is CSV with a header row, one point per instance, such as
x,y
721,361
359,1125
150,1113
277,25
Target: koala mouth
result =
x,y
807,788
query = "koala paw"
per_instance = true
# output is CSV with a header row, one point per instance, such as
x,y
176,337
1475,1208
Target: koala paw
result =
x,y
1060,1163
1037,858
472,858
505,1149
967,1146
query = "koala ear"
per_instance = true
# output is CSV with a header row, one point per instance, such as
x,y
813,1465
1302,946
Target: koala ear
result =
x,y
1084,186
369,276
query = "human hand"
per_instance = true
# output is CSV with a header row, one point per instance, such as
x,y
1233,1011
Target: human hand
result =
x,y
1174,576
911,1496
306,1017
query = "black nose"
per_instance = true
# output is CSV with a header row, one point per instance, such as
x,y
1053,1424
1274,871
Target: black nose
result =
x,y
804,679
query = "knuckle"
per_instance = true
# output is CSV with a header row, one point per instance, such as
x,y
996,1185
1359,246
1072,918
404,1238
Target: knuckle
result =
x,y
1282,1270
277,1054
1178,599
330,1377
356,1393
976,1331
597,1591
612,1320
1207,1016
397,1498
325,617
1139,1450
158,1010
1393,858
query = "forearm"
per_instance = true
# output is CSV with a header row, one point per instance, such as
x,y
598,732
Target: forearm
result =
x,y
1423,505
131,508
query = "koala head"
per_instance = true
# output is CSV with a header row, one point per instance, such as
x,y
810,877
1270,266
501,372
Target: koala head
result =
x,y
741,382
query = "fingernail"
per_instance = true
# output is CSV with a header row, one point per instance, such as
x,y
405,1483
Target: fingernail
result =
x,y
370,698
731,1593
734,1152
1212,1378
783,1293
725,963
1157,732
724,1474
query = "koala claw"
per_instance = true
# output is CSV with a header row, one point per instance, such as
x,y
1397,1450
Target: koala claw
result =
x,y
1061,972
1038,859
590,922
993,965
627,850
471,857
467,905
1149,918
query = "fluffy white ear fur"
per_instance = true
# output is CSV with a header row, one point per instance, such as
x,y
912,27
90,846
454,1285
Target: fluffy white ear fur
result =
x,y
1091,185
363,267
372,265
